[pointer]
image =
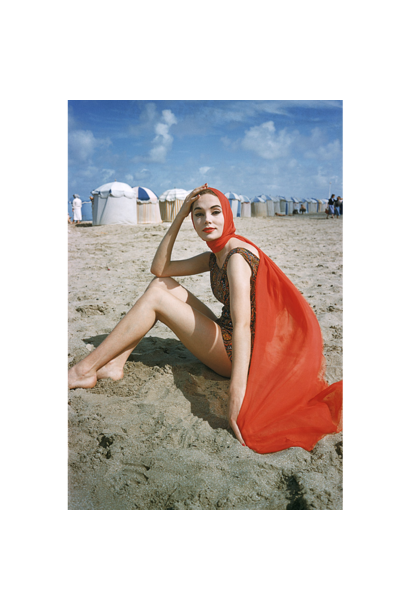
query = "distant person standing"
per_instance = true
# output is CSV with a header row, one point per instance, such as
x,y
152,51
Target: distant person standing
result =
x,y
331,206
339,206
77,209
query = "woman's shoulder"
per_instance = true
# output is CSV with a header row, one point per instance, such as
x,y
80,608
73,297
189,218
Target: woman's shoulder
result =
x,y
247,257
238,244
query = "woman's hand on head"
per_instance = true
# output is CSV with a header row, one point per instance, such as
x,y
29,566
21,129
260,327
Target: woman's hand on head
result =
x,y
190,200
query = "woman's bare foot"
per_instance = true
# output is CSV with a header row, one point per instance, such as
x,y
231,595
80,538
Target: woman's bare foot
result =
x,y
111,370
80,378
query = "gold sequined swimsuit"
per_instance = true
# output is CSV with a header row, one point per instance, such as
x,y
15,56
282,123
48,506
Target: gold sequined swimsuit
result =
x,y
220,288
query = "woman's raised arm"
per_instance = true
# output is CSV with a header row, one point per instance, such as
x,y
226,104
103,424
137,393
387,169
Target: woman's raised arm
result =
x,y
162,266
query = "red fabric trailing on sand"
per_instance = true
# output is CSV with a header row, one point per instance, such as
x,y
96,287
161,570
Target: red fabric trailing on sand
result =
x,y
287,402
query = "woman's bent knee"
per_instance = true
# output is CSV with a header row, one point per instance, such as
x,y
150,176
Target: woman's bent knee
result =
x,y
163,282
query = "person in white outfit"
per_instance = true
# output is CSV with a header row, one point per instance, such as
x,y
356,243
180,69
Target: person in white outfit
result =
x,y
77,209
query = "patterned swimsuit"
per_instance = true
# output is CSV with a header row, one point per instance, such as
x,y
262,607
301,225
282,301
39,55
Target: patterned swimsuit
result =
x,y
220,288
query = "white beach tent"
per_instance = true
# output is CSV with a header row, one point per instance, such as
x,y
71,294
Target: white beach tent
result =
x,y
114,204
234,202
274,206
269,204
270,207
259,208
170,202
245,206
147,206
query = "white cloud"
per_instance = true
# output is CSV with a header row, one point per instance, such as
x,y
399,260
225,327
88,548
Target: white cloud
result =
x,y
169,117
82,144
204,170
163,140
149,113
332,150
322,179
107,173
129,177
265,142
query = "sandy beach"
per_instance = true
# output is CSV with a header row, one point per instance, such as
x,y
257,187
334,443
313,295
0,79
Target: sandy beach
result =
x,y
158,439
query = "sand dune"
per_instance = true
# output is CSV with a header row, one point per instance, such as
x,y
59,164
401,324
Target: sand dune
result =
x,y
158,439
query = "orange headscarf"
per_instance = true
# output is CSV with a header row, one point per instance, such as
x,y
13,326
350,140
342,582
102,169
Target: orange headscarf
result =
x,y
287,401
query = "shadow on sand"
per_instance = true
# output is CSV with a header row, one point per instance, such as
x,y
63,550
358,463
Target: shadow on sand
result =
x,y
186,369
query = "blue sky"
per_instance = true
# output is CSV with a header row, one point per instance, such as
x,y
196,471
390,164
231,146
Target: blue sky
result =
x,y
291,148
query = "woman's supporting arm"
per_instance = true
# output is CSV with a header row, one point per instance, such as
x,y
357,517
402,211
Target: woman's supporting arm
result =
x,y
239,276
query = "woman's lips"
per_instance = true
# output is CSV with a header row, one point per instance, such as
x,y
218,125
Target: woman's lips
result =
x,y
208,230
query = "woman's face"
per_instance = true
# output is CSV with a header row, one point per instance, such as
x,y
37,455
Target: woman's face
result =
x,y
208,217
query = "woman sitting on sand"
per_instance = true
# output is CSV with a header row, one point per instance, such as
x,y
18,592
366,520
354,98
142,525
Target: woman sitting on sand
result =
x,y
267,341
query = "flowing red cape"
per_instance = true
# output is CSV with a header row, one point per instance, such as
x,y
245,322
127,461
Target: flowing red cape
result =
x,y
287,402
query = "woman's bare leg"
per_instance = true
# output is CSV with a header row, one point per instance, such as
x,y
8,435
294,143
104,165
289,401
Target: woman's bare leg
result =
x,y
115,368
194,327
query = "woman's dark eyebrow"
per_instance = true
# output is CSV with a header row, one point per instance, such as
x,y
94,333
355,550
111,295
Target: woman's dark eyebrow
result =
x,y
212,207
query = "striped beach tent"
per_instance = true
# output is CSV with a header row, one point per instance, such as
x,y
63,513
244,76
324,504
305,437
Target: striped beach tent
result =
x,y
147,206
170,202
234,202
245,206
314,205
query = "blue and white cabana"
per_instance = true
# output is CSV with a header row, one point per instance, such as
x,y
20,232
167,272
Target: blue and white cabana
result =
x,y
147,206
270,208
144,194
234,202
313,205
245,206
296,204
114,204
289,206
258,207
